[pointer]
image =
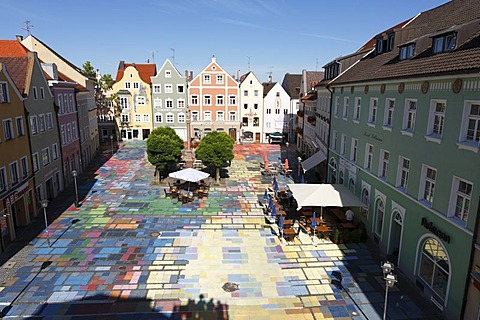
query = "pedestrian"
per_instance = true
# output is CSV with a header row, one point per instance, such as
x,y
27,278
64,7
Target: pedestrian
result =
x,y
349,215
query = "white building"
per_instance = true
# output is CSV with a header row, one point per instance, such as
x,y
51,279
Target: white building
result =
x,y
251,108
276,108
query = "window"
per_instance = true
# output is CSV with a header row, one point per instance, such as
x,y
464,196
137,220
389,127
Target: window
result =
x,y
24,167
125,118
334,140
277,111
232,100
403,171
157,103
20,128
277,94
36,162
341,177
140,100
368,156
49,121
158,118
195,115
366,202
345,108
135,85
181,118
358,104
146,118
232,116
42,93
343,144
269,111
4,98
409,117
353,150
407,52
41,122
207,100
379,45
168,88
220,116
429,176
3,179
127,85
64,137
194,99
434,267
220,100
255,106
444,43
245,93
168,73
180,88
207,116
219,78
157,88
256,121
72,106
372,113
123,101
206,78
390,41
470,129
436,119
35,94
388,117
55,151
181,103
8,129
138,118
255,93
169,118
336,105
74,130
69,132
384,156
169,103
379,213
245,121
461,198
14,177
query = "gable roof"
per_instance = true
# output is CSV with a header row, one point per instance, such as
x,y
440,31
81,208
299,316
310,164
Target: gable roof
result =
x,y
291,84
12,48
267,87
17,68
456,15
166,63
312,78
145,70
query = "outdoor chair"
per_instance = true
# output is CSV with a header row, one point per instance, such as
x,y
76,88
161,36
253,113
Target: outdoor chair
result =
x,y
168,193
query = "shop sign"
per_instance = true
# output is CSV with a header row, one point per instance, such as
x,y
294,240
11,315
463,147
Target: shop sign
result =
x,y
373,136
433,229
11,199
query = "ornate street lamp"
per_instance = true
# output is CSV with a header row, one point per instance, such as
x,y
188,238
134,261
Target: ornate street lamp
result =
x,y
74,174
44,206
390,280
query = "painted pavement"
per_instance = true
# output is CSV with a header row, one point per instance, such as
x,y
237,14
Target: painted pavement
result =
x,y
136,253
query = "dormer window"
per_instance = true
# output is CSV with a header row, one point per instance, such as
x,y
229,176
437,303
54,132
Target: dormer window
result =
x,y
444,43
406,52
391,41
379,45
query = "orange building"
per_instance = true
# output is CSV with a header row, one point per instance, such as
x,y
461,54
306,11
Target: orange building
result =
x,y
214,102
17,207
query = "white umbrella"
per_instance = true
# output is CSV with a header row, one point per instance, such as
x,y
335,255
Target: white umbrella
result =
x,y
189,174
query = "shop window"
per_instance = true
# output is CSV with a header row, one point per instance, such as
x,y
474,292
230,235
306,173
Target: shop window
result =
x,y
434,267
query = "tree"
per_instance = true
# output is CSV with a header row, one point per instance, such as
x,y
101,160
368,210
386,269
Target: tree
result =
x,y
102,85
215,149
89,69
162,150
169,132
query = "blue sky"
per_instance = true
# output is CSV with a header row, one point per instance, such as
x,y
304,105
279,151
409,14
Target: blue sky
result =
x,y
276,36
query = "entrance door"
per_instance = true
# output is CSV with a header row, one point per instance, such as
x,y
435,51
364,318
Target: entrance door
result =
x,y
145,133
257,137
129,135
232,132
395,237
50,189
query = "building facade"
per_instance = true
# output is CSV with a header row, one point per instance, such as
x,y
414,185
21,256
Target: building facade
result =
x,y
169,99
17,189
214,102
276,109
405,139
133,89
291,83
251,108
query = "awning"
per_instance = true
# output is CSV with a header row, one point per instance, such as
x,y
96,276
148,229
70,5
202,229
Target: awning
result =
x,y
324,195
276,135
313,160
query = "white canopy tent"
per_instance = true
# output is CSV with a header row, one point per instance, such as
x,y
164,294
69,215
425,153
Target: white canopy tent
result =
x,y
324,195
189,174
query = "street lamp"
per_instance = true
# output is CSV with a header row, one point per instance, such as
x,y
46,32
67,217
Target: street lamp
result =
x,y
44,206
74,174
390,280
299,165
111,139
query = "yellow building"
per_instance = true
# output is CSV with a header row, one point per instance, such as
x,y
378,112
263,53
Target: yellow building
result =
x,y
133,89
17,207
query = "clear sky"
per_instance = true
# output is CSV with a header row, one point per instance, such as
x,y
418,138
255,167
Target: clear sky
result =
x,y
276,36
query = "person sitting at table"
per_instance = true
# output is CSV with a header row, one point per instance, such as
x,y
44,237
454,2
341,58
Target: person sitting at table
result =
x,y
349,215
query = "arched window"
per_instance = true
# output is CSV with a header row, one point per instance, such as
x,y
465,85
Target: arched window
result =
x,y
333,171
366,201
340,178
351,185
398,218
379,213
434,267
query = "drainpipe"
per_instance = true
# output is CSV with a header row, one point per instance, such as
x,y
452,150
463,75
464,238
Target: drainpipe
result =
x,y
329,131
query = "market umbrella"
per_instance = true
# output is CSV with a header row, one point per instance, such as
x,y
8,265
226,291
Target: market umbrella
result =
x,y
274,211
274,181
275,186
313,225
280,222
265,195
303,179
190,175
285,166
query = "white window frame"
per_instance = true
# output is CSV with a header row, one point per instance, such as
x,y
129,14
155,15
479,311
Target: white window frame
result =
x,y
220,79
141,100
35,162
346,102
169,117
232,100
49,121
220,100
158,117
168,103
180,88
409,117
388,115
157,88
343,144
125,118
354,150
334,140
207,115
383,163
136,85
146,118
207,100
24,166
373,112
464,142
127,85
194,99
207,79
195,116
168,73
168,88
14,173
335,106
20,126
181,117
8,133
403,173
220,116
455,194
55,151
3,179
138,118
4,96
232,116
157,103
427,182
368,156
436,120
181,103
357,110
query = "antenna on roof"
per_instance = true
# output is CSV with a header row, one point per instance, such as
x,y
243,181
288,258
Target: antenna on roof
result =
x,y
249,62
28,26
316,66
270,74
173,55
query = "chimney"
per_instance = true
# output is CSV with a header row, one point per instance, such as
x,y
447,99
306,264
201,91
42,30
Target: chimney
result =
x,y
19,38
186,74
270,78
191,76
238,74
121,65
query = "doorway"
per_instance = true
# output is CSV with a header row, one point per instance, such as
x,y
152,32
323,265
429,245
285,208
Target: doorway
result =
x,y
395,237
50,189
232,132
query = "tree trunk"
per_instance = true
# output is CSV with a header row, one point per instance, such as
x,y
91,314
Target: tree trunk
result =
x,y
217,175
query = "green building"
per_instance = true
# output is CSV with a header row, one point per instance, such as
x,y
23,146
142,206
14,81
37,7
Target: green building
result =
x,y
405,133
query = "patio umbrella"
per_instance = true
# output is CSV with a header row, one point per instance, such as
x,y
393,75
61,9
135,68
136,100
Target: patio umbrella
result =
x,y
275,186
274,211
190,175
280,222
313,225
274,181
270,204
285,166
265,195
303,179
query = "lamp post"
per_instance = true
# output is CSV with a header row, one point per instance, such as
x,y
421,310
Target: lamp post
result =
x,y
299,165
74,174
111,140
390,280
44,206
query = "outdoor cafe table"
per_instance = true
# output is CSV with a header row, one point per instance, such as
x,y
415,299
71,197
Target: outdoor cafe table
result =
x,y
289,234
338,213
287,223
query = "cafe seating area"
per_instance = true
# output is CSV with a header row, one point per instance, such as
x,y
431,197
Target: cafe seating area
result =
x,y
274,168
186,192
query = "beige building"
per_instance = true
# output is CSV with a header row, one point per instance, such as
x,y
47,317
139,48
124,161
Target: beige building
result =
x,y
133,88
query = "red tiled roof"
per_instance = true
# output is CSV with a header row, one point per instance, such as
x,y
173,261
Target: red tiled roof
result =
x,y
17,68
78,86
12,48
145,70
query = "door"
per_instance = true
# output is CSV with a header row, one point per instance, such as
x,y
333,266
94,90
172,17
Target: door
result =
x,y
50,189
395,237
257,137
232,132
